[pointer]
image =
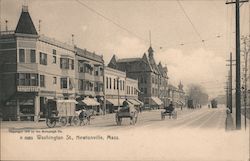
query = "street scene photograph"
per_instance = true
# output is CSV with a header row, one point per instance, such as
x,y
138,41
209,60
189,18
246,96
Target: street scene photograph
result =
x,y
165,80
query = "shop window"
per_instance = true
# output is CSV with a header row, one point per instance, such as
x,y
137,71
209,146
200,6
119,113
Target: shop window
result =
x,y
21,56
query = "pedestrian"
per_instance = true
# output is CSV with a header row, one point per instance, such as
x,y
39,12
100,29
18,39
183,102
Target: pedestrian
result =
x,y
229,121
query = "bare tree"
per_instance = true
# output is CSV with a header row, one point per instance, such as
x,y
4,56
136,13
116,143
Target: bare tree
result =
x,y
198,94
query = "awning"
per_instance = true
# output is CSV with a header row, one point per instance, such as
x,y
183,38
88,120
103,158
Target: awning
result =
x,y
134,102
64,101
114,101
156,100
139,101
90,102
180,102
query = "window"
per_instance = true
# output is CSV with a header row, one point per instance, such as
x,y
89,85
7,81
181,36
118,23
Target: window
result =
x,y
64,83
72,64
123,85
96,89
101,71
145,91
80,84
96,71
114,83
110,83
54,56
43,58
27,79
21,56
42,81
117,85
71,83
33,56
120,84
107,82
34,79
54,80
132,90
64,63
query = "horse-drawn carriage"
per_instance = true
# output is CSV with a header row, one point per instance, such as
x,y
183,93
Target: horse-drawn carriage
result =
x,y
127,111
64,112
170,111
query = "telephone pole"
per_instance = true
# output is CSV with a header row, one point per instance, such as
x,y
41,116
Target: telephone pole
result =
x,y
245,51
238,81
230,83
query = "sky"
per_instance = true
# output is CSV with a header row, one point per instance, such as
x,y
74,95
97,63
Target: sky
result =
x,y
121,27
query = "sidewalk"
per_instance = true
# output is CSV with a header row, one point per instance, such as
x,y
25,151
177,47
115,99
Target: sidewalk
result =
x,y
233,122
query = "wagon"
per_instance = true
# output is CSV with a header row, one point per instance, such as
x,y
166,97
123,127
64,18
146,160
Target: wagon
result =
x,y
172,114
61,112
127,111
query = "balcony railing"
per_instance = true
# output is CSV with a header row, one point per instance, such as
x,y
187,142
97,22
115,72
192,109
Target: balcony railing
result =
x,y
27,88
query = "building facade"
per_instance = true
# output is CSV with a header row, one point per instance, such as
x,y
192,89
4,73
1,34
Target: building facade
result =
x,y
152,80
35,68
118,88
89,75
177,95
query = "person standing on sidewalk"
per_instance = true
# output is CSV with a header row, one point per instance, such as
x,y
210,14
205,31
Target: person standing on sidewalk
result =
x,y
229,125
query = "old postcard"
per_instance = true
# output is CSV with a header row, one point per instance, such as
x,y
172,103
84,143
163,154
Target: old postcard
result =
x,y
163,80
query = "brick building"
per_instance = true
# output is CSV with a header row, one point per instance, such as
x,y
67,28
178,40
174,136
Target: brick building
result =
x,y
152,78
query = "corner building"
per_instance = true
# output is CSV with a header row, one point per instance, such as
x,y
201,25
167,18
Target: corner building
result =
x,y
33,68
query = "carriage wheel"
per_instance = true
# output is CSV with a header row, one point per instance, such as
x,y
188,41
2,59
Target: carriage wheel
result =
x,y
51,122
75,121
63,121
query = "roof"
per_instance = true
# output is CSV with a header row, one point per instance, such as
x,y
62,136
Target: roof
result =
x,y
128,60
87,54
25,24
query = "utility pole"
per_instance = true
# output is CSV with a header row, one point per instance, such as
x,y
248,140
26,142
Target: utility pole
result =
x,y
238,81
230,85
245,50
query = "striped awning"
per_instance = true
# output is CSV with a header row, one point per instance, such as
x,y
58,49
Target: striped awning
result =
x,y
114,101
90,102
156,101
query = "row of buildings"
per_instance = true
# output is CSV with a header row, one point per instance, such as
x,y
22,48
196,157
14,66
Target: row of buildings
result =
x,y
35,68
